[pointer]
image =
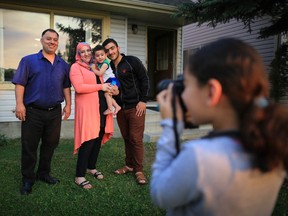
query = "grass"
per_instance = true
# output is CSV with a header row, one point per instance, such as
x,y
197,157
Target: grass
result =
x,y
115,195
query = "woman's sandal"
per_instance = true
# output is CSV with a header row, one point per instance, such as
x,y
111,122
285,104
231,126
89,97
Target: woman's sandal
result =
x,y
123,170
140,178
98,175
83,184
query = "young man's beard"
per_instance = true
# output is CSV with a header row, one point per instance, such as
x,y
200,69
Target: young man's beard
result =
x,y
115,56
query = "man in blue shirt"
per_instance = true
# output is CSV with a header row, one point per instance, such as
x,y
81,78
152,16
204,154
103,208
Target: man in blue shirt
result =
x,y
41,85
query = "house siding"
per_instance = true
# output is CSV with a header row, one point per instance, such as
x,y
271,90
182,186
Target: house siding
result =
x,y
7,106
129,43
119,31
137,43
195,37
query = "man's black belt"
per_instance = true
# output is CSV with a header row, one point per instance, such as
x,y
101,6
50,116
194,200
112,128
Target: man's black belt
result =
x,y
44,108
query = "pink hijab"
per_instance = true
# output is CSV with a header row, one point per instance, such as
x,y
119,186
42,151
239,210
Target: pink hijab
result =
x,y
78,56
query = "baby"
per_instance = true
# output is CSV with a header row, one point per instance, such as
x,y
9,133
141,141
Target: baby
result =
x,y
102,68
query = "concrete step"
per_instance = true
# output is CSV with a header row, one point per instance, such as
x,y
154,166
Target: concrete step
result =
x,y
153,129
152,115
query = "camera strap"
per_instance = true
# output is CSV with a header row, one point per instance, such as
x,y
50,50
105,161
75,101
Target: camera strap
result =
x,y
177,140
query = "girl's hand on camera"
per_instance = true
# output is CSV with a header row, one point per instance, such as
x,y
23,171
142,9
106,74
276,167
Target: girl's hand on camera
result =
x,y
164,99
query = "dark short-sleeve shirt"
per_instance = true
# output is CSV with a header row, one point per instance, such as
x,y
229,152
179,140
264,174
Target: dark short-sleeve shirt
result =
x,y
44,82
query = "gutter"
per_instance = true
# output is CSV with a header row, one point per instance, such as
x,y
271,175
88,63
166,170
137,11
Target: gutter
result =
x,y
136,4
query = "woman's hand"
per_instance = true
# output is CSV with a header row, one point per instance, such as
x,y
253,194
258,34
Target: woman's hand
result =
x,y
107,87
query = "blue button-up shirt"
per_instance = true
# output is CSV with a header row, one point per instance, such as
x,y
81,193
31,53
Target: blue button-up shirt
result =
x,y
44,82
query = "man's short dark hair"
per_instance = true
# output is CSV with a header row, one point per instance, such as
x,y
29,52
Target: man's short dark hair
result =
x,y
109,40
50,30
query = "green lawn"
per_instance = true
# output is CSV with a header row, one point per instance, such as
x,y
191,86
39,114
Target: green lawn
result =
x,y
115,195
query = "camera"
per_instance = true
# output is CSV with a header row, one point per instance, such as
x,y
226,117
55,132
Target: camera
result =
x,y
178,88
177,84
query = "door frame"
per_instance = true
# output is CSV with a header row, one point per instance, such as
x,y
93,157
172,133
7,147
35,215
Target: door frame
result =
x,y
153,34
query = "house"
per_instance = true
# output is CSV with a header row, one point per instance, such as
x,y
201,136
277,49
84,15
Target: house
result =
x,y
143,28
194,37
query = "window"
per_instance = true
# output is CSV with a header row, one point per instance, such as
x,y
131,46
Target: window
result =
x,y
73,30
20,33
162,53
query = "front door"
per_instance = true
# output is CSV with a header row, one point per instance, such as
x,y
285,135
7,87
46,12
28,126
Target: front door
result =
x,y
164,58
160,57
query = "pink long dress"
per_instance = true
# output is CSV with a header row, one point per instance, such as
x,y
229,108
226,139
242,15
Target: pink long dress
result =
x,y
87,116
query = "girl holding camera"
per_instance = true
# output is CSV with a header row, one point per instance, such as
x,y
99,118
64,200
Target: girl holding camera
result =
x,y
239,167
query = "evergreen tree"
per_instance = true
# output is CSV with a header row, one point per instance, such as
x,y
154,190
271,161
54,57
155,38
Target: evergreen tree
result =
x,y
213,12
279,73
77,35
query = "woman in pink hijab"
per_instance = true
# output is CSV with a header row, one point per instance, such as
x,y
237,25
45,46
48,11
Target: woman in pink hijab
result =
x,y
91,127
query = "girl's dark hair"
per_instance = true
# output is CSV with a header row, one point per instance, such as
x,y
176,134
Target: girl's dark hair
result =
x,y
241,72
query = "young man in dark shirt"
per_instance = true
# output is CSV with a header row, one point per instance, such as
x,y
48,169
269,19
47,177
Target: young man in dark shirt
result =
x,y
134,88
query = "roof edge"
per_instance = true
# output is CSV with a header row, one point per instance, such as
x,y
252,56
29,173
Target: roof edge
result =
x,y
136,4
